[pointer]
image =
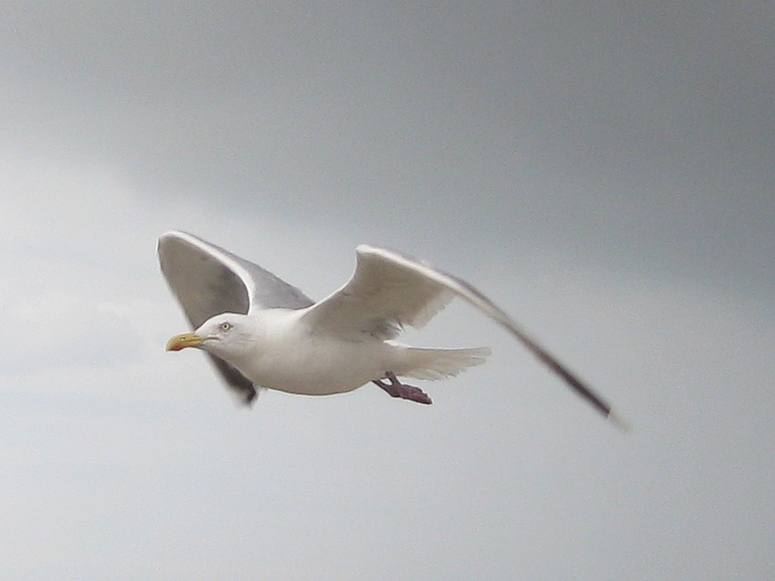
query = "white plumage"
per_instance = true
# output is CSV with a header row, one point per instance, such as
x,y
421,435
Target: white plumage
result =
x,y
262,332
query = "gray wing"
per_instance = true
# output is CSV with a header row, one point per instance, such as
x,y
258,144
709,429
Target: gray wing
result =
x,y
381,298
208,280
389,290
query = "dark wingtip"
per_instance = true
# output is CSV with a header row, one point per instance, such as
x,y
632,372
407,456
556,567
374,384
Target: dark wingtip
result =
x,y
622,424
250,397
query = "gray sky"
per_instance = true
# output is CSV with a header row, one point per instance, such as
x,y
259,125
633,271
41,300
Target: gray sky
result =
x,y
604,171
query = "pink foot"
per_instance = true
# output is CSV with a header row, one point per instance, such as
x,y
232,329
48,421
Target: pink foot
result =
x,y
397,389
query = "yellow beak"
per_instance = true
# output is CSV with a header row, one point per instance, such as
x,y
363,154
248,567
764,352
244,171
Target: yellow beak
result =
x,y
179,342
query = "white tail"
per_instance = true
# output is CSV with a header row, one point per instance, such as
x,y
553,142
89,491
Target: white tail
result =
x,y
430,364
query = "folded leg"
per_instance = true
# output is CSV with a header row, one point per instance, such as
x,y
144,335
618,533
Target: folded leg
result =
x,y
397,389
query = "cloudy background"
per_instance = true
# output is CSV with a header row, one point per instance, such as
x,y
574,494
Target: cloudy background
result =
x,y
603,170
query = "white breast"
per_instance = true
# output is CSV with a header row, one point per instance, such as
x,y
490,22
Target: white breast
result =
x,y
288,358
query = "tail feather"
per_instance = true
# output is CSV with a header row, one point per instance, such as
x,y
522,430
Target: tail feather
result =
x,y
431,364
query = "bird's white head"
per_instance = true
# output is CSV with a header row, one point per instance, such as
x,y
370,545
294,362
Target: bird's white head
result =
x,y
227,335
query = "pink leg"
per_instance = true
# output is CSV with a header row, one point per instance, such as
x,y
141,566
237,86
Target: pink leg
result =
x,y
397,389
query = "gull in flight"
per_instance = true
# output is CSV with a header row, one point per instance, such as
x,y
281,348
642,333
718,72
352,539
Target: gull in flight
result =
x,y
261,332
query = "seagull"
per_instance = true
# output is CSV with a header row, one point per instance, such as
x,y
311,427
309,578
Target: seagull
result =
x,y
262,333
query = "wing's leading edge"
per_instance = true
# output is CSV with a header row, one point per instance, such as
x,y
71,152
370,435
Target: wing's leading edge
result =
x,y
381,298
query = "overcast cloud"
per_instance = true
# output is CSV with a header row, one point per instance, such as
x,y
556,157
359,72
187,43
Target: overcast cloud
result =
x,y
604,171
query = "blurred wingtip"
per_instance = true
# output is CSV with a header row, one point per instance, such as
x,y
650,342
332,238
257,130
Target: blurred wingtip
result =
x,y
621,424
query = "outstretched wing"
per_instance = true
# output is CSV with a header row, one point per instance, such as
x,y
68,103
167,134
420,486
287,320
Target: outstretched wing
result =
x,y
208,280
389,290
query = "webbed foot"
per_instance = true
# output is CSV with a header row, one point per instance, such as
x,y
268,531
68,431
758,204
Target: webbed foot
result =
x,y
397,389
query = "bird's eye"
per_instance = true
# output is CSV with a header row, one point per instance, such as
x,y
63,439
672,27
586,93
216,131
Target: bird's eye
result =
x,y
225,326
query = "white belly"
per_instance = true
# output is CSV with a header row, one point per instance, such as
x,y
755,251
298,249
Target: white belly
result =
x,y
319,365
